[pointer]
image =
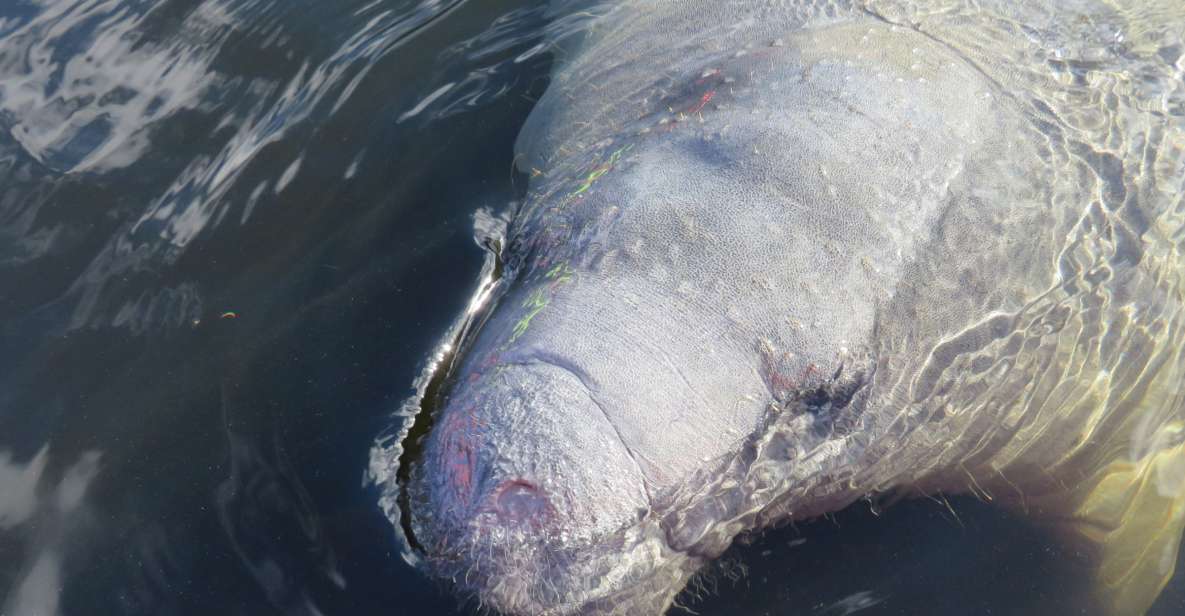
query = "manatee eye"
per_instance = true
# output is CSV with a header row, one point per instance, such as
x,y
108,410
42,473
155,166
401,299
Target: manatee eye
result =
x,y
830,404
817,400
833,395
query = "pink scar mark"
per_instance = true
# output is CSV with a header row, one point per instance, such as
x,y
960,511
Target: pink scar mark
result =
x,y
704,100
460,443
775,377
774,370
488,363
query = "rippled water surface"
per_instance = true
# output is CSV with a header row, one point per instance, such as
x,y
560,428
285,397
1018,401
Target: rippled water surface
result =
x,y
231,234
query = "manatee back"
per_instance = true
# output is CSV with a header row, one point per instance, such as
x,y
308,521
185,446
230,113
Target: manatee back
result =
x,y
1049,295
983,201
605,75
1025,309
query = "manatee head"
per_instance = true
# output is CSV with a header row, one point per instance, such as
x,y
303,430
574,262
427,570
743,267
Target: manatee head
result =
x,y
528,500
686,347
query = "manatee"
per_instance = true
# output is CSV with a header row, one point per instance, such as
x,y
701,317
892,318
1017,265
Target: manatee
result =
x,y
777,257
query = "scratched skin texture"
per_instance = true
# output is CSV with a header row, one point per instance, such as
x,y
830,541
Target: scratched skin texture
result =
x,y
780,256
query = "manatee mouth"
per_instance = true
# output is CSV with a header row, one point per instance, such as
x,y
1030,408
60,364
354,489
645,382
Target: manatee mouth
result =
x,y
533,511
514,554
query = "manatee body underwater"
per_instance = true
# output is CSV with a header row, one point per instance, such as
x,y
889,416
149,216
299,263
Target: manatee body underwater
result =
x,y
777,257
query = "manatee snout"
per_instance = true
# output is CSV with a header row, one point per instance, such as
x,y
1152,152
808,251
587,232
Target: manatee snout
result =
x,y
465,483
525,496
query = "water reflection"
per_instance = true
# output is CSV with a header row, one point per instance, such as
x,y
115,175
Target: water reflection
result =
x,y
18,484
81,85
48,518
215,243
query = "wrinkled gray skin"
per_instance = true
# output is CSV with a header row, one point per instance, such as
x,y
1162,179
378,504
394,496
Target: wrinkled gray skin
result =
x,y
778,256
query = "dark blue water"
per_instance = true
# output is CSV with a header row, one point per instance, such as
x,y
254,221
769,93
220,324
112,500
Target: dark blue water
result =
x,y
231,233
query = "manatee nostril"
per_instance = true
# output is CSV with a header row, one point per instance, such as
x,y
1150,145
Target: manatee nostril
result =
x,y
518,500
